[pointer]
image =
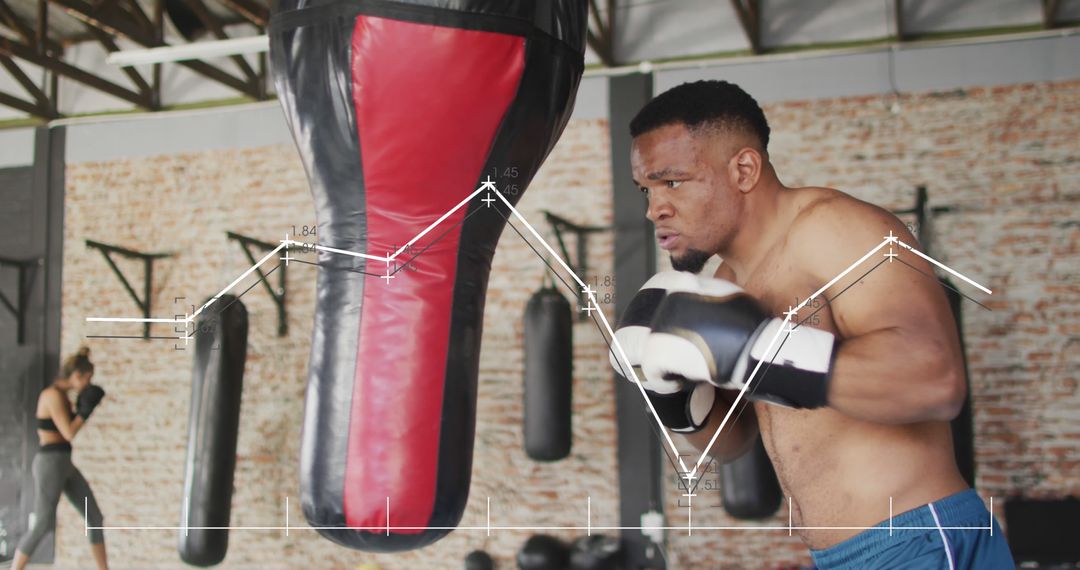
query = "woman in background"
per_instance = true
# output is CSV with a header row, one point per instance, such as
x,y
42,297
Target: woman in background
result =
x,y
54,473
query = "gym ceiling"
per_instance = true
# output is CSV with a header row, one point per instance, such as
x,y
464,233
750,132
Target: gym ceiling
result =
x,y
52,51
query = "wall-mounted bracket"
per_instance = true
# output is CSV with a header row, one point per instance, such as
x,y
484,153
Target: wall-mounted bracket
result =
x,y
147,260
561,225
27,269
918,210
277,295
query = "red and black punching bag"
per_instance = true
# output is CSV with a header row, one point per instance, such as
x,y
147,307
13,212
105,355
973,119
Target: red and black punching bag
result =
x,y
400,110
549,375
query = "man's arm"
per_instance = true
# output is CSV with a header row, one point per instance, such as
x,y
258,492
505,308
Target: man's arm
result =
x,y
739,433
741,430
900,360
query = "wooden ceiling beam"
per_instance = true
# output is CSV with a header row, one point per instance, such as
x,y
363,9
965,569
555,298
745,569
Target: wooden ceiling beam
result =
x,y
215,26
9,100
24,80
88,14
749,14
598,36
56,65
1050,9
29,36
250,11
110,46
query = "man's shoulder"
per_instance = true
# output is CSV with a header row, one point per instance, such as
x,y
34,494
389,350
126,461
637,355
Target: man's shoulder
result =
x,y
832,229
826,212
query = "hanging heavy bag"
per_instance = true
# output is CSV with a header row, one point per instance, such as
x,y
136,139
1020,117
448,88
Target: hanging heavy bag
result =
x,y
749,487
400,111
549,375
217,380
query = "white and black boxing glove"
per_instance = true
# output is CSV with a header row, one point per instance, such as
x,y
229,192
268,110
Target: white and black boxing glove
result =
x,y
710,330
681,405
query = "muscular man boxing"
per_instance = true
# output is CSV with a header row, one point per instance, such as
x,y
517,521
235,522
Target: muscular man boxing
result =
x,y
853,405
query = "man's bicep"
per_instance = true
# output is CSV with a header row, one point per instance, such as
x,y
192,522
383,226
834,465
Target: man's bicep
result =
x,y
899,359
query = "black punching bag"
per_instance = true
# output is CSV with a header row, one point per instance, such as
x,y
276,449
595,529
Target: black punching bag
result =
x,y
543,552
479,560
750,488
217,380
549,375
963,430
596,552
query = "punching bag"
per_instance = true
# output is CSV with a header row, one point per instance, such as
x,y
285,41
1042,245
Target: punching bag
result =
x,y
749,487
400,111
479,560
549,375
217,380
543,552
963,430
596,552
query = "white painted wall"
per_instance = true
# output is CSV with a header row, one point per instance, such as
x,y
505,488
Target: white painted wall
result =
x,y
16,147
914,69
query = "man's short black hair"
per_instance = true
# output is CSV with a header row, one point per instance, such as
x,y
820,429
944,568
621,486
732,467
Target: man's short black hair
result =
x,y
704,105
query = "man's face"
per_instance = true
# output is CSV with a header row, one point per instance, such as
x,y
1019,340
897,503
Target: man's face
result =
x,y
691,201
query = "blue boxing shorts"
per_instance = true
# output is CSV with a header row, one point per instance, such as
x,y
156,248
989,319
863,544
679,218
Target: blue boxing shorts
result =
x,y
953,533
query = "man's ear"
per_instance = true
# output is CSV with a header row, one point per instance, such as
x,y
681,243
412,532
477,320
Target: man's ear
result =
x,y
745,169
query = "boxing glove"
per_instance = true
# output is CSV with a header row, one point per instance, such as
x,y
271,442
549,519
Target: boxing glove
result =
x,y
710,330
88,399
681,405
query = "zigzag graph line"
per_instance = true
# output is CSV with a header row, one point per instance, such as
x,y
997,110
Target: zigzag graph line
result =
x,y
489,186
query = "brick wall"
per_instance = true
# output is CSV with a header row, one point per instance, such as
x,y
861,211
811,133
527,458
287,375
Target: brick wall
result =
x,y
132,452
1007,159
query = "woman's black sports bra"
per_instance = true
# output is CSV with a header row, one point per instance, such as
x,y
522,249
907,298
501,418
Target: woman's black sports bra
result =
x,y
47,424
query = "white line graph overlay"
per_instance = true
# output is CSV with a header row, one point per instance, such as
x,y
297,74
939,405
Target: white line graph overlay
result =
x,y
589,527
489,186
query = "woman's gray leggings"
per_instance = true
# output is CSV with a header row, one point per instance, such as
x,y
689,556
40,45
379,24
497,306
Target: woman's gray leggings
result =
x,y
54,473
